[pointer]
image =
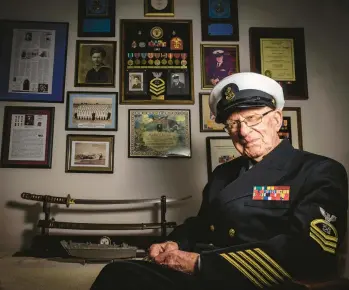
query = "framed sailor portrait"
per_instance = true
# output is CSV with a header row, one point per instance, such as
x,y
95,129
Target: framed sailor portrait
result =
x,y
177,83
291,128
159,8
95,63
136,82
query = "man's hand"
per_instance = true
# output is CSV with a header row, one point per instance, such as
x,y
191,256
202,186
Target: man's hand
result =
x,y
178,260
157,249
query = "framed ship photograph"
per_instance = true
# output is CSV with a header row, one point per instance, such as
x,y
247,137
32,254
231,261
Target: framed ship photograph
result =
x,y
90,153
280,54
156,62
159,8
217,62
95,63
292,126
219,20
207,119
159,134
33,61
91,111
27,137
96,18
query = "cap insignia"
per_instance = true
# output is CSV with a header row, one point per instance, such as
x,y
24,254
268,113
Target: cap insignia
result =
x,y
228,92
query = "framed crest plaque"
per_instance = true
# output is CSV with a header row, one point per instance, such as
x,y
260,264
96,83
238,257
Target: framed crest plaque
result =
x,y
156,62
161,8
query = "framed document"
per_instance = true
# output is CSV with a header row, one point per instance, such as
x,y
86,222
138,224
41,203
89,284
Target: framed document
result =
x,y
219,20
27,137
159,133
219,150
95,63
217,62
161,8
207,119
280,54
156,62
292,127
92,111
96,18
90,153
33,61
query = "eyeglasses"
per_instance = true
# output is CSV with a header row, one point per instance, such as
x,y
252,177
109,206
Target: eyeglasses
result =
x,y
250,121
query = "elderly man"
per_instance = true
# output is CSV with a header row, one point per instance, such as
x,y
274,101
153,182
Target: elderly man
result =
x,y
274,215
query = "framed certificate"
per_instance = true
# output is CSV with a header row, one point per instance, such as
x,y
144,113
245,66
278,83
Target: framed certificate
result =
x,y
280,54
219,20
292,127
160,8
27,137
207,119
33,61
159,133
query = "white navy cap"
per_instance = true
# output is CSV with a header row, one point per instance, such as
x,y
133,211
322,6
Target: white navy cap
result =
x,y
244,90
218,52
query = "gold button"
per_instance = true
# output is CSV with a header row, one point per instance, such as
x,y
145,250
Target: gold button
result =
x,y
212,228
231,233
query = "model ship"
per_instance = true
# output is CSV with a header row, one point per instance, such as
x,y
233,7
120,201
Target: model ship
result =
x,y
105,250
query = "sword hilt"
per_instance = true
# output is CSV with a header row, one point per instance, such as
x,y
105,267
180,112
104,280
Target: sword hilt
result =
x,y
48,198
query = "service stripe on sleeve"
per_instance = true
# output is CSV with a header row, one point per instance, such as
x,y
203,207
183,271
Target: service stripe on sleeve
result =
x,y
327,249
327,243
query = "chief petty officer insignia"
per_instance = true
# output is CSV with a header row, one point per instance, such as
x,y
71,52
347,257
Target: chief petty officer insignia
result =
x,y
229,91
324,233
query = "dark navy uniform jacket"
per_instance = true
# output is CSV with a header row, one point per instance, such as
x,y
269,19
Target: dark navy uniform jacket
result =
x,y
263,243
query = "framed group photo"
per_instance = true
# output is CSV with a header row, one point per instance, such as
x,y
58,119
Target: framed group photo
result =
x,y
207,119
95,63
94,111
291,128
90,153
217,62
33,61
159,133
27,137
159,8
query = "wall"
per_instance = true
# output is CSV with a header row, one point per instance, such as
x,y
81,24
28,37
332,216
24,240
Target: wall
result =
x,y
324,115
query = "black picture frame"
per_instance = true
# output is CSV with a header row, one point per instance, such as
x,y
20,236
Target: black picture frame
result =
x,y
96,18
291,128
219,20
296,89
39,124
160,11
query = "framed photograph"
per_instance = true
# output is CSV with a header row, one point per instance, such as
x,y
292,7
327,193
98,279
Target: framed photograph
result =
x,y
156,61
219,150
159,133
92,111
217,62
219,20
96,18
160,8
292,127
280,54
33,61
207,119
95,63
27,137
90,153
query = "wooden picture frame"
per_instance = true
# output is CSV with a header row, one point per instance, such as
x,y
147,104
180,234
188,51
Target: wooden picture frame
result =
x,y
219,20
95,63
161,52
207,119
27,139
91,111
32,70
292,126
159,8
89,153
280,54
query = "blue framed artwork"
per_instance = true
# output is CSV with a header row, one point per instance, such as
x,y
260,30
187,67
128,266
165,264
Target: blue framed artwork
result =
x,y
96,18
33,61
219,20
91,111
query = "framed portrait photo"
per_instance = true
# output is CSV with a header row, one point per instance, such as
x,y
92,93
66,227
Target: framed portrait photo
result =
x,y
279,53
219,149
207,119
91,111
27,137
217,62
95,63
96,18
90,153
159,8
159,134
292,127
33,61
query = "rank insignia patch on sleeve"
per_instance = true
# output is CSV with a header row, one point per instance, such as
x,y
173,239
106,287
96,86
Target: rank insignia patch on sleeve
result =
x,y
325,234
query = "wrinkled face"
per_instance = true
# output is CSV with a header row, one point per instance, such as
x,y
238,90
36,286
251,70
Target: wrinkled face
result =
x,y
258,140
97,59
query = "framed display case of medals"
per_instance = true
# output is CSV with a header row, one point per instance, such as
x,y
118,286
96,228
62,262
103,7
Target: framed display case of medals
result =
x,y
156,62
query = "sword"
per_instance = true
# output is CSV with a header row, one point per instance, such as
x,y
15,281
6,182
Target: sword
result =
x,y
69,200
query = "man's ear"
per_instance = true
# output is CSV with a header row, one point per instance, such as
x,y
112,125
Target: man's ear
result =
x,y
278,118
